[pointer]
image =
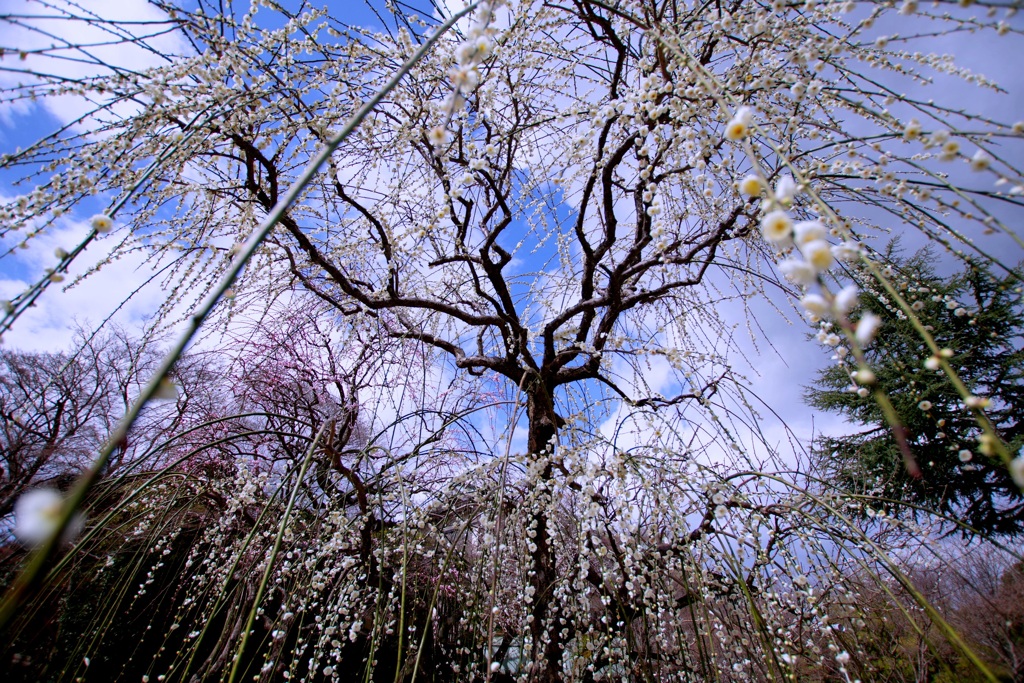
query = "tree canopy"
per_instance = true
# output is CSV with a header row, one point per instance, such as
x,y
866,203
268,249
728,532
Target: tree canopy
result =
x,y
481,270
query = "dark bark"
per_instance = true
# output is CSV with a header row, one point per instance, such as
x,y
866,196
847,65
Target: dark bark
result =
x,y
545,629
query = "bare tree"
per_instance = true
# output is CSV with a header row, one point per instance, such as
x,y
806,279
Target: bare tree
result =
x,y
52,414
59,408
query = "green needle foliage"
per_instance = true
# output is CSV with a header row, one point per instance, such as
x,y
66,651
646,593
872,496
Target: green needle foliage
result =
x,y
978,317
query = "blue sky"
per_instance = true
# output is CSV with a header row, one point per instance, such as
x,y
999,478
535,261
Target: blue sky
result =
x,y
22,124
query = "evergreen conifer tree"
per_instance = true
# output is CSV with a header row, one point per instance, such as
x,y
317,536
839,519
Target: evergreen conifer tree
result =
x,y
978,316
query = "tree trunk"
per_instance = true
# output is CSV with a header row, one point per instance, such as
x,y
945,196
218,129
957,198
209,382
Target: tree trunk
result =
x,y
545,628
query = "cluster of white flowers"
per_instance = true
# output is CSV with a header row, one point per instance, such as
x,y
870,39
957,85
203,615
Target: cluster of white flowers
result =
x,y
556,115
949,149
809,238
809,255
813,255
469,55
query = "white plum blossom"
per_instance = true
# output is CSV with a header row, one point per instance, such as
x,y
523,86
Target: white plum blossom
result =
x,y
739,126
867,328
1017,470
751,185
798,272
939,137
438,136
816,304
981,160
846,300
831,339
976,402
37,514
819,254
101,223
808,231
466,79
950,150
865,376
777,228
785,190
847,251
473,51
908,7
912,130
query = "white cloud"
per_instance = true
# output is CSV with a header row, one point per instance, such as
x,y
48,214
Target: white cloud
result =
x,y
49,44
50,324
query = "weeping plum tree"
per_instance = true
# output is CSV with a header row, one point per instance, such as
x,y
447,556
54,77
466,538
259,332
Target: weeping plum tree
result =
x,y
557,207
